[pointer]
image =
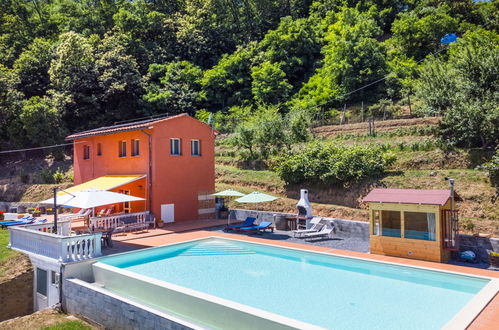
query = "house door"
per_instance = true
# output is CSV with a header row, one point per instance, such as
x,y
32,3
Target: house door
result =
x,y
168,212
41,280
126,205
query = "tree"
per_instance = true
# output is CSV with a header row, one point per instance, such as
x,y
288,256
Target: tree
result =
x,y
10,100
73,77
228,83
174,87
295,45
118,78
269,85
352,58
264,130
38,124
465,90
32,68
418,34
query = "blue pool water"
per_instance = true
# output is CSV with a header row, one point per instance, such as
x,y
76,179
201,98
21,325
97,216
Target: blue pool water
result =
x,y
327,291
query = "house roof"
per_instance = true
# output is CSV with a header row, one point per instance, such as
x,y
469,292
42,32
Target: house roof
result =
x,y
131,126
409,196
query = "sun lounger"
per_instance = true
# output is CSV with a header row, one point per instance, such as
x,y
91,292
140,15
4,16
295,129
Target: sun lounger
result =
x,y
324,232
316,226
39,221
250,221
23,221
264,225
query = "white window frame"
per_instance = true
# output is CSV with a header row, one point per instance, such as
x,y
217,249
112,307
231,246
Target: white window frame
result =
x,y
122,149
135,147
193,142
86,152
175,152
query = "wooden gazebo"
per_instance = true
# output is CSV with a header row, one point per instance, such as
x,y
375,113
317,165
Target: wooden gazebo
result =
x,y
413,223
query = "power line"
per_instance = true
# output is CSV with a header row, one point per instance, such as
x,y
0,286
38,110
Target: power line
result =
x,y
37,148
377,81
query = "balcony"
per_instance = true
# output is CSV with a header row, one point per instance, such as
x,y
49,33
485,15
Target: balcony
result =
x,y
40,240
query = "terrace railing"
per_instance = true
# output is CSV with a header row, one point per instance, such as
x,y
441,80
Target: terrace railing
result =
x,y
118,220
64,227
58,247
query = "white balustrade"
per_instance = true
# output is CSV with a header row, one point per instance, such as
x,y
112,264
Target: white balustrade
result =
x,y
116,220
64,227
59,247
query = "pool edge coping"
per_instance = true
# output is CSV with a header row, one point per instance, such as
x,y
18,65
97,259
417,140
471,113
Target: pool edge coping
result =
x,y
461,320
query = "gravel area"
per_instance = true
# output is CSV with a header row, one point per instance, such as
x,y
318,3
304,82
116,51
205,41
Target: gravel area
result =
x,y
339,240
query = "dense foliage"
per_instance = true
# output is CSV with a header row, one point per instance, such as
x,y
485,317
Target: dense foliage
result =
x,y
330,164
70,65
492,167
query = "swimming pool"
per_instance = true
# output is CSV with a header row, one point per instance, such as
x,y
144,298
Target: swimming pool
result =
x,y
286,286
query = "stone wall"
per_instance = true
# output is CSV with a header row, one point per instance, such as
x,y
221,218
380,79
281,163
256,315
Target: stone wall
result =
x,y
350,227
112,311
16,296
479,245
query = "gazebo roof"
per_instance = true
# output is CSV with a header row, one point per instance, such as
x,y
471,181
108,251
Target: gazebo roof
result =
x,y
409,196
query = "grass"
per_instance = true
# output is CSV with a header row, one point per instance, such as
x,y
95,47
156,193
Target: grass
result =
x,y
68,325
5,253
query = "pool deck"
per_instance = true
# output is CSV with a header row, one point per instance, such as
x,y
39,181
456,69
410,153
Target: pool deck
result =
x,y
179,232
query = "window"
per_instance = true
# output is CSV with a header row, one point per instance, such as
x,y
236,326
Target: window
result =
x,y
376,222
86,152
135,147
419,225
175,147
390,223
195,148
41,281
122,145
99,149
54,278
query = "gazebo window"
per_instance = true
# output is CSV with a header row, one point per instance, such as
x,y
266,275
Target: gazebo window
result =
x,y
391,223
419,225
376,222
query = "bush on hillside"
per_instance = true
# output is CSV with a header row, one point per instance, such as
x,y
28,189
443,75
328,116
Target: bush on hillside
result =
x,y
331,164
492,168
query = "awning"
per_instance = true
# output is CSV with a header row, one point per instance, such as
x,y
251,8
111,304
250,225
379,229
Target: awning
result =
x,y
106,182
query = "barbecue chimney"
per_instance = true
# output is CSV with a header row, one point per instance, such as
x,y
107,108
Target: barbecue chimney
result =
x,y
303,205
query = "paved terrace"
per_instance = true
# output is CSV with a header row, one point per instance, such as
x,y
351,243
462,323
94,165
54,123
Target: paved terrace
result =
x,y
179,232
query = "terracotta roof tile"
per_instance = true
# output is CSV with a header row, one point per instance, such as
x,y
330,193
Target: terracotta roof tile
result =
x,y
121,127
409,196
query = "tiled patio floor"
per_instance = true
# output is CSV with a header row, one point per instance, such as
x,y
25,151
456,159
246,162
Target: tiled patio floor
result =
x,y
173,233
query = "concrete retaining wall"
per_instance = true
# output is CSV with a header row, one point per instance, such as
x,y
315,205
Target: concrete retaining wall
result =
x,y
350,227
479,245
112,311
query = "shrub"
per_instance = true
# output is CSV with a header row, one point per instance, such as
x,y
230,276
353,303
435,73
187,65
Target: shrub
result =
x,y
492,168
58,176
45,176
331,164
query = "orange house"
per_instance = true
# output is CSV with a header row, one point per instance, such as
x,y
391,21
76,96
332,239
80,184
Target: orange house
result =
x,y
169,161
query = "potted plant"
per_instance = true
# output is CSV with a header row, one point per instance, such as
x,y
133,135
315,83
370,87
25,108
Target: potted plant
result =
x,y
160,223
494,259
36,212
